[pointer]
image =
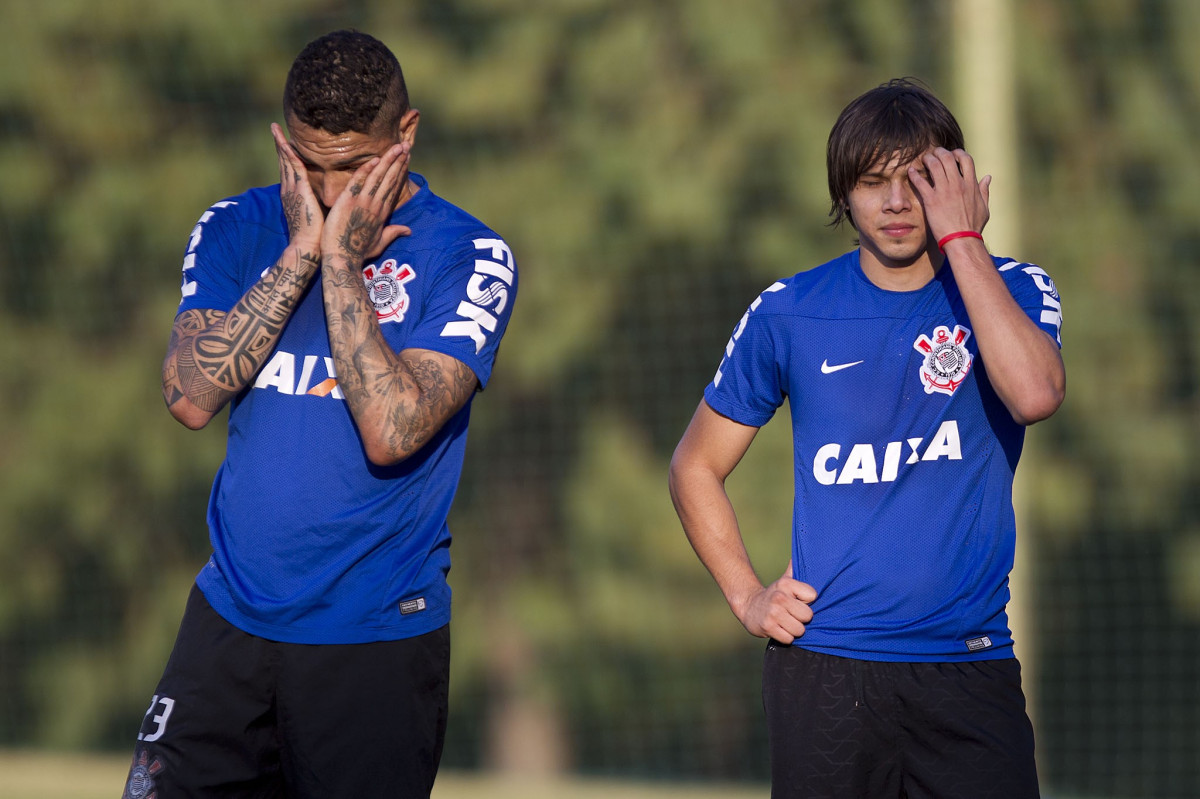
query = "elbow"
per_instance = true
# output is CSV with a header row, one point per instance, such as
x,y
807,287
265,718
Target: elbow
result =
x,y
1040,406
189,415
196,420
675,474
682,474
673,483
382,455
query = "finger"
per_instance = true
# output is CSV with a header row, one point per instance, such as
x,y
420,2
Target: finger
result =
x,y
281,144
985,188
937,162
966,165
786,607
396,162
290,165
788,571
803,591
377,176
919,181
358,181
791,626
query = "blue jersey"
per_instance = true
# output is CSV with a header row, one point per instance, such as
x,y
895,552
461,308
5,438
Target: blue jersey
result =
x,y
904,456
311,542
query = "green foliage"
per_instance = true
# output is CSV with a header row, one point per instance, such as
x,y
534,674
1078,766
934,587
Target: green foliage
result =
x,y
654,166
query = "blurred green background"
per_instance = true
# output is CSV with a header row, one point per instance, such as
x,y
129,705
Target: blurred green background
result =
x,y
654,165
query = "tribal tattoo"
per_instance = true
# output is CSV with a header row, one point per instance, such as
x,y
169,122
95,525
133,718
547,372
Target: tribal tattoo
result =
x,y
214,355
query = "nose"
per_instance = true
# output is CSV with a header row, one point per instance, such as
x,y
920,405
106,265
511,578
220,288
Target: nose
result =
x,y
899,197
326,187
328,193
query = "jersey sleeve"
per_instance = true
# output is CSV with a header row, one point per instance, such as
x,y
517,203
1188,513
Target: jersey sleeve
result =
x,y
1035,292
210,265
748,386
469,305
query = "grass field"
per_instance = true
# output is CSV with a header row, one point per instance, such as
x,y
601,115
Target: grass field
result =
x,y
41,775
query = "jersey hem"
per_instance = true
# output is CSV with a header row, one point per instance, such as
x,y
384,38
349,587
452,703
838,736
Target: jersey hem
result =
x,y
341,635
1004,652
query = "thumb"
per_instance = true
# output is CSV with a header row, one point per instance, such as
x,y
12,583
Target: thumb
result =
x,y
393,232
802,591
388,235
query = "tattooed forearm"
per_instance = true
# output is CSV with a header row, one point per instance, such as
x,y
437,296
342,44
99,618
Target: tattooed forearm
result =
x,y
438,397
213,355
191,382
399,401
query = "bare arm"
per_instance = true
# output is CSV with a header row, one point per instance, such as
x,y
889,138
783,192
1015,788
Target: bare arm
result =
x,y
1024,364
710,448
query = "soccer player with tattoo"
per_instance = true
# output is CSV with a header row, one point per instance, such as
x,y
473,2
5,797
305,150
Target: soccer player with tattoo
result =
x,y
347,317
912,366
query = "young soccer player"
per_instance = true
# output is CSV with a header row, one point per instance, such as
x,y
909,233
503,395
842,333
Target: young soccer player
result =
x,y
912,365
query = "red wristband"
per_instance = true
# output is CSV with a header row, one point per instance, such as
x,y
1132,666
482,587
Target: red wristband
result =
x,y
962,234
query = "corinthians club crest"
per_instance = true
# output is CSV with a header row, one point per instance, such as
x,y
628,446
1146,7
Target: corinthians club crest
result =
x,y
385,284
141,777
946,361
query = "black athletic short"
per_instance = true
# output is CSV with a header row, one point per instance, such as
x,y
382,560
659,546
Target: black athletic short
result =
x,y
236,715
846,728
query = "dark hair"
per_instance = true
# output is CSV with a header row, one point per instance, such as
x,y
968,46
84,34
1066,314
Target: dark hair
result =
x,y
902,118
343,81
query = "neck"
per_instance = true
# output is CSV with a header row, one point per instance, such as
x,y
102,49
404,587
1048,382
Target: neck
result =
x,y
897,276
407,191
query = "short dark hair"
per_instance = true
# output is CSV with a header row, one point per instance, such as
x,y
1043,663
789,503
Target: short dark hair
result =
x,y
345,80
902,118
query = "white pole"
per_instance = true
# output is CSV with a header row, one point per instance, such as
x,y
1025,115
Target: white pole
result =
x,y
986,108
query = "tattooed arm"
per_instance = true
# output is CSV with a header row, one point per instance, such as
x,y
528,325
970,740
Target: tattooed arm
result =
x,y
398,400
212,354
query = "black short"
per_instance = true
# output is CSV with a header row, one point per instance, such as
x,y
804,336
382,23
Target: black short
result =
x,y
844,728
236,715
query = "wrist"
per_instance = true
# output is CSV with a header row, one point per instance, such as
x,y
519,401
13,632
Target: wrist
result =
x,y
740,599
306,248
958,234
307,257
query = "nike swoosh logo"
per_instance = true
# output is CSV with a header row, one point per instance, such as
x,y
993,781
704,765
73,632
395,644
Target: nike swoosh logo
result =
x,y
826,369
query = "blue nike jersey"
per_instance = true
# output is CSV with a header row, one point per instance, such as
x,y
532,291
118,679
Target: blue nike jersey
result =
x,y
311,542
904,456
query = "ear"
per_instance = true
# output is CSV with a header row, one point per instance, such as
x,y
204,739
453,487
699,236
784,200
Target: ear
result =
x,y
407,127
